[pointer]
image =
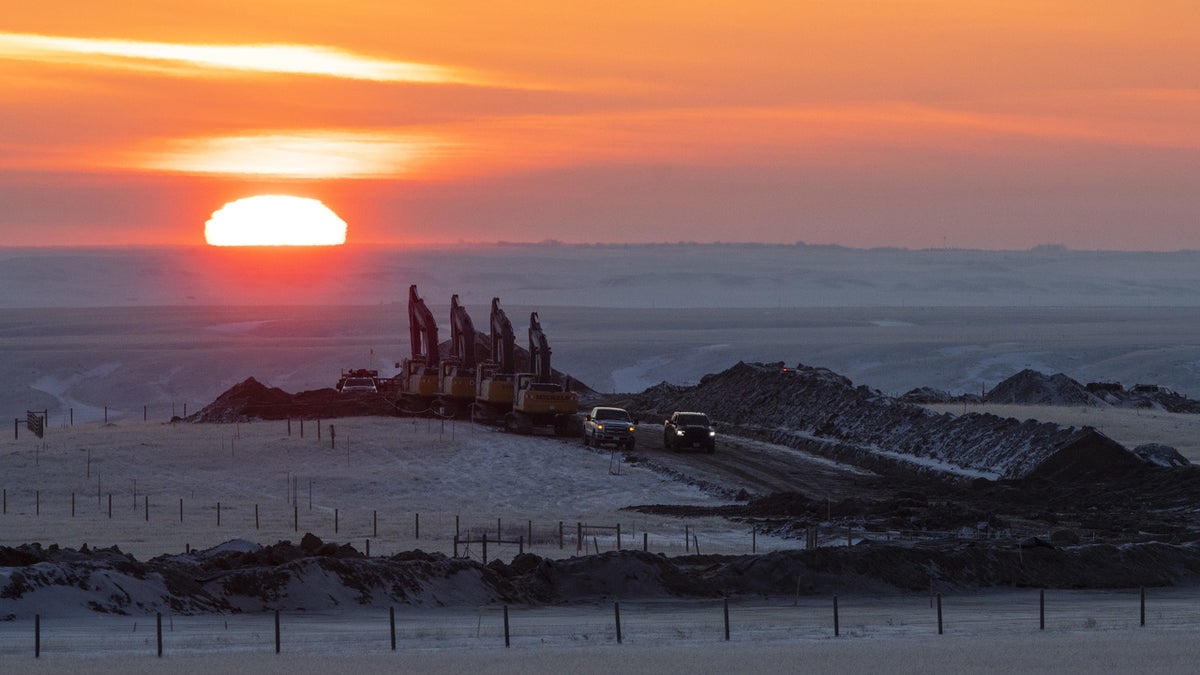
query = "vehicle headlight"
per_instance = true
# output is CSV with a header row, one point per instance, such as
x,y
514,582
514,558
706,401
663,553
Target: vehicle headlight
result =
x,y
599,427
679,432
631,430
712,432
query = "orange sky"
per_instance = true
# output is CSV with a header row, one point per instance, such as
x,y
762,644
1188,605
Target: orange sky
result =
x,y
887,123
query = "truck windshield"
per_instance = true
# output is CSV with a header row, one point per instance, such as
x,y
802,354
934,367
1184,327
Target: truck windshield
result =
x,y
692,420
612,415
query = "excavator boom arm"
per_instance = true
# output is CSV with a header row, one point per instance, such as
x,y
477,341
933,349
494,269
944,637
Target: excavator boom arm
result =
x,y
462,334
503,340
539,351
422,329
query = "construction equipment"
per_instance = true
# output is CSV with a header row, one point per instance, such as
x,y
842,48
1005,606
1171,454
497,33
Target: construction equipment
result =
x,y
456,385
539,399
417,382
494,378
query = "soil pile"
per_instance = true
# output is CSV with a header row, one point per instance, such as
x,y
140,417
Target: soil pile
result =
x,y
252,400
316,576
824,412
1029,387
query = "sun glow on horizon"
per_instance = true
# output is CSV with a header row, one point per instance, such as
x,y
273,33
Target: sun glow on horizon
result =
x,y
275,220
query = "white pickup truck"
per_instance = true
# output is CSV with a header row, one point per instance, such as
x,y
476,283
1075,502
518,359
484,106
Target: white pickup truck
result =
x,y
609,425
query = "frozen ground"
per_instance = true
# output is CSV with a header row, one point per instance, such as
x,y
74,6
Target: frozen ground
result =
x,y
1086,632
385,477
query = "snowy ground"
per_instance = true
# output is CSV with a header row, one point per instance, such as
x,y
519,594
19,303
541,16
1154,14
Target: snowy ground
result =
x,y
385,477
989,633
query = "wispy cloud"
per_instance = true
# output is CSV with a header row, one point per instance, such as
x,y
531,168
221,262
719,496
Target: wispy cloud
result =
x,y
315,60
297,154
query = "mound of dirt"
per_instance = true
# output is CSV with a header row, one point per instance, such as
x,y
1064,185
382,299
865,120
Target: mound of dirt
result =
x,y
320,576
252,400
824,412
1029,387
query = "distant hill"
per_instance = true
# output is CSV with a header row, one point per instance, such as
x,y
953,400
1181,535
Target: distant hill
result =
x,y
1030,387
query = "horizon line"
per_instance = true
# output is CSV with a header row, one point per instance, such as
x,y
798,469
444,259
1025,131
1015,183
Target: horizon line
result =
x,y
553,243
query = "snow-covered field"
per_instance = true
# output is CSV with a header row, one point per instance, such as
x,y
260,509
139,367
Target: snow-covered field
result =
x,y
384,478
1086,632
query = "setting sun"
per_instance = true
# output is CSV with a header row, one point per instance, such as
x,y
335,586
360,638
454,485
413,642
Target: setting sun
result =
x,y
275,220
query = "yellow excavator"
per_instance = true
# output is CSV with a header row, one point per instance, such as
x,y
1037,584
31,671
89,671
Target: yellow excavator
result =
x,y
540,400
495,378
456,384
418,377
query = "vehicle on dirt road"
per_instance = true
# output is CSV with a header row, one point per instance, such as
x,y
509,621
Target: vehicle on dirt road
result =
x,y
609,425
689,430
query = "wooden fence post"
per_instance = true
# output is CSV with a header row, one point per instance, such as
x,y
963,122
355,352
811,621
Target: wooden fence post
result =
x,y
276,631
506,642
617,614
37,636
835,616
392,624
726,619
939,610
158,630
1042,610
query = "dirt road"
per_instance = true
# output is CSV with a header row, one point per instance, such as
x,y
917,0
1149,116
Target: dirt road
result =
x,y
746,468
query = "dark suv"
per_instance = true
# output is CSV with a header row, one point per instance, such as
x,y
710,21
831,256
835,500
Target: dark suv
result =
x,y
689,430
